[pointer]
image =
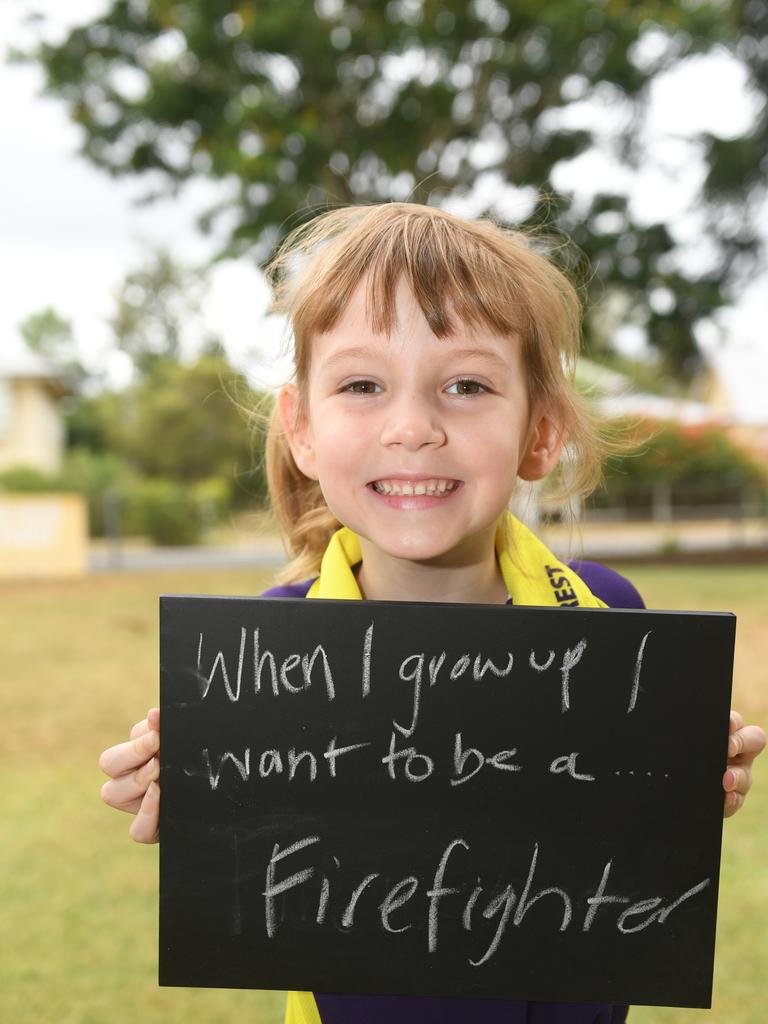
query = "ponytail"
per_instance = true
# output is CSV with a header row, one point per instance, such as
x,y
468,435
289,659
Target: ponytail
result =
x,y
305,521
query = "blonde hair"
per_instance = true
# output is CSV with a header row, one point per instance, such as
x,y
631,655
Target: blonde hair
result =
x,y
472,273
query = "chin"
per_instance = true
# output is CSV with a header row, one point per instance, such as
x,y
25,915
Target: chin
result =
x,y
419,550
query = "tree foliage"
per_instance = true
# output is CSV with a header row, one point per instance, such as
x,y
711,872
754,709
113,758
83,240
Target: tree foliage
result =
x,y
157,308
187,422
300,105
737,167
50,335
171,454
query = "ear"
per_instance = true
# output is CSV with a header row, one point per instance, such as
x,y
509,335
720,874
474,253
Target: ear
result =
x,y
546,437
297,430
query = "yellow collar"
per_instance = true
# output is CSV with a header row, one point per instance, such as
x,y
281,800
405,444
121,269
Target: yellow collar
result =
x,y
532,574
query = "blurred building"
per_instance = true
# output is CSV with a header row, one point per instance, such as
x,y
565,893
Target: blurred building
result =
x,y
615,396
41,535
736,383
719,402
31,424
735,388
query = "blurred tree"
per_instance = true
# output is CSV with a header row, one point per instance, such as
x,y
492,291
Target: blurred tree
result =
x,y
300,105
738,167
88,419
156,308
50,336
200,412
184,393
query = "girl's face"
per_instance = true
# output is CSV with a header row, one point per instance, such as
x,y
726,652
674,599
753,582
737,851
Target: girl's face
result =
x,y
417,441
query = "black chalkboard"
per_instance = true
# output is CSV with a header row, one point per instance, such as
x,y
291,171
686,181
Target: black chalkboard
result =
x,y
442,799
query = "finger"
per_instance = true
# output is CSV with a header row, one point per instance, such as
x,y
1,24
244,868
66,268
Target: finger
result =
x,y
746,743
130,807
125,757
733,802
127,791
735,722
737,780
139,729
144,827
152,721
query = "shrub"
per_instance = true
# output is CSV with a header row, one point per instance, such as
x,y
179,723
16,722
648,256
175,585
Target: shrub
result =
x,y
100,477
700,464
164,511
28,480
124,503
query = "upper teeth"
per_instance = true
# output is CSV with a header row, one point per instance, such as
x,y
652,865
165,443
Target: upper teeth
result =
x,y
406,487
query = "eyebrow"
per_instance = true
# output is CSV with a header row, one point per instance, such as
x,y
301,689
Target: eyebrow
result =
x,y
481,353
355,352
366,352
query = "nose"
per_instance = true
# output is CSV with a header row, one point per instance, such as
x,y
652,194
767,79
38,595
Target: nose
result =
x,y
412,421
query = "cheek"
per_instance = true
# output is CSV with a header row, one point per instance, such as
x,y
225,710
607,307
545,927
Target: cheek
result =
x,y
339,453
497,443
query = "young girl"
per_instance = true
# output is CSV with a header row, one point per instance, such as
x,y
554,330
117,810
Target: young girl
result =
x,y
433,368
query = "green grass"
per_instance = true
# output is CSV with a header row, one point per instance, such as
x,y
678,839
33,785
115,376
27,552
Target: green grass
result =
x,y
78,929
741,976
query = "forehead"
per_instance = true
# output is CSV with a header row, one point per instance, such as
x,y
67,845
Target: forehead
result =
x,y
354,332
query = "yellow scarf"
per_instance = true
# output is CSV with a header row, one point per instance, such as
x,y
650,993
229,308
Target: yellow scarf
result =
x,y
533,576
531,572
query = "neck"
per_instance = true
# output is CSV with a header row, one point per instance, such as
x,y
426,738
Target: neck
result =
x,y
475,581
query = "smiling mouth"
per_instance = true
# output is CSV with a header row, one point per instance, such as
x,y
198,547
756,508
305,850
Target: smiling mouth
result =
x,y
435,487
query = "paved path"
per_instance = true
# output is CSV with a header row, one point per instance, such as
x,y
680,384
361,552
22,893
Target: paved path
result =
x,y
614,539
135,559
590,540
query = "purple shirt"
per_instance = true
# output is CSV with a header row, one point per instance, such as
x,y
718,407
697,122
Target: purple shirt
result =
x,y
607,584
617,592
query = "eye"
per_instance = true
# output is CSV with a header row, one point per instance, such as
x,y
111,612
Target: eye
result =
x,y
362,387
466,386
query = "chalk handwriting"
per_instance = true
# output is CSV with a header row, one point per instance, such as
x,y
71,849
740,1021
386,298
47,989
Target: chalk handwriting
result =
x,y
567,764
571,658
416,767
271,761
462,765
393,901
273,889
506,903
532,661
636,678
279,674
461,756
367,653
252,668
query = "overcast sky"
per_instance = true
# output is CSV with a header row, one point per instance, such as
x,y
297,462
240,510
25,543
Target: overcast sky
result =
x,y
69,233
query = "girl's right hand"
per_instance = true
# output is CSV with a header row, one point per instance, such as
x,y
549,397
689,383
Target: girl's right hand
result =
x,y
134,768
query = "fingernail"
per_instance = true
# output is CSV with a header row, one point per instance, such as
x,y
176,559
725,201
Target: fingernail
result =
x,y
729,780
733,746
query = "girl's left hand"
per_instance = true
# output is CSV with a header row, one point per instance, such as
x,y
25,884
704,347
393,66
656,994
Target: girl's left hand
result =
x,y
745,742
